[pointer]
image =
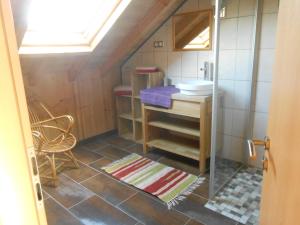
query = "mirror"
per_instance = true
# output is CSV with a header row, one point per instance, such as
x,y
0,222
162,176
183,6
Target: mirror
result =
x,y
192,31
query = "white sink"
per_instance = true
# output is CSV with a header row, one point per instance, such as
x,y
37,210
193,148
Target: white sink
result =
x,y
195,87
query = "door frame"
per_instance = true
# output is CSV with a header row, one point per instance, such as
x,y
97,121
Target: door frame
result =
x,y
21,203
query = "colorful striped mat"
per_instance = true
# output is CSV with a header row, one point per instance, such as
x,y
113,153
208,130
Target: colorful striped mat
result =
x,y
167,183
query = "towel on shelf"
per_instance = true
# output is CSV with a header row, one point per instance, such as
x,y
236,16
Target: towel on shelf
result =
x,y
123,90
158,96
143,70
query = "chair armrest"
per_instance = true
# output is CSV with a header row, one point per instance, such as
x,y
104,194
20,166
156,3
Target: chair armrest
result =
x,y
38,139
56,119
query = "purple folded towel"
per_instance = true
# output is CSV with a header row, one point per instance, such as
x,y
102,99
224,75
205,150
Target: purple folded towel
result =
x,y
158,96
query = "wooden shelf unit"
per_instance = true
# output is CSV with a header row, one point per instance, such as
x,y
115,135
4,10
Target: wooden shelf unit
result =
x,y
129,107
184,129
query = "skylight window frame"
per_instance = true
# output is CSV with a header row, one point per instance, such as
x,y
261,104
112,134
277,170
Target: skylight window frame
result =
x,y
90,38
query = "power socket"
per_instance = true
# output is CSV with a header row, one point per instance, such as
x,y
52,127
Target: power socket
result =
x,y
158,44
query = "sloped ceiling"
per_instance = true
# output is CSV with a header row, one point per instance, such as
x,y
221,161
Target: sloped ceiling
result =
x,y
82,85
139,20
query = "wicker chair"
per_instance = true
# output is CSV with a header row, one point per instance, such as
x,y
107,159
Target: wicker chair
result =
x,y
53,140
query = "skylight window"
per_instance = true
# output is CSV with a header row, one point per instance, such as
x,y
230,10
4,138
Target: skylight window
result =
x,y
58,26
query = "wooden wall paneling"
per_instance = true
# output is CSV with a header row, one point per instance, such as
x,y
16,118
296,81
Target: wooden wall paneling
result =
x,y
82,84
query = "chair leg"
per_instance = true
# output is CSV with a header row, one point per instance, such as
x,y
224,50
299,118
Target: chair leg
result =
x,y
72,157
53,169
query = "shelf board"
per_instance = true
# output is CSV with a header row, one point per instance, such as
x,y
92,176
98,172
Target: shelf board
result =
x,y
172,111
128,136
124,96
126,116
176,146
137,97
138,119
140,141
181,126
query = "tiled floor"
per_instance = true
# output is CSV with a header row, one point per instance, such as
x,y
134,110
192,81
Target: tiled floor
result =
x,y
240,198
88,196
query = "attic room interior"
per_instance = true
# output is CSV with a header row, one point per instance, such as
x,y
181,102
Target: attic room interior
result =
x,y
154,112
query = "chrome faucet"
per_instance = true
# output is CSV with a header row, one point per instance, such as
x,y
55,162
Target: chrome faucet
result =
x,y
207,69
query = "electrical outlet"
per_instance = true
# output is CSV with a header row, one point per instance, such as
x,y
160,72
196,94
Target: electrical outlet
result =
x,y
158,44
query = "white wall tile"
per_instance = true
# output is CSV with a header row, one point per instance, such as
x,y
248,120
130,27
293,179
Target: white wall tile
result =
x,y
227,87
233,148
232,8
265,64
268,33
237,149
227,64
225,151
240,123
174,64
270,6
245,32
161,61
174,80
263,94
228,33
259,156
227,121
220,120
189,64
243,65
260,125
247,7
242,92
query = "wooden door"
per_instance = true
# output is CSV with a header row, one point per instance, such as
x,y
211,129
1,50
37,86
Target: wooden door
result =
x,y
281,183
20,202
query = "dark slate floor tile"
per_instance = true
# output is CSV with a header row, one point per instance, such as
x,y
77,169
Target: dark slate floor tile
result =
x,y
113,152
80,174
118,141
84,155
182,163
100,163
45,195
152,212
203,189
152,154
193,206
68,193
57,215
95,146
96,211
194,222
108,188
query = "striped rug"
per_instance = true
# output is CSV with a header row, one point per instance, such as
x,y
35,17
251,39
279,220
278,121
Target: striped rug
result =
x,y
167,183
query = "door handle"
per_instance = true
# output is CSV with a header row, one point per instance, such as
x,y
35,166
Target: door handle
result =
x,y
254,142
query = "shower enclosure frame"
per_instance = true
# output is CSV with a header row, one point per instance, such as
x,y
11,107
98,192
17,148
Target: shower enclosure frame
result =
x,y
254,71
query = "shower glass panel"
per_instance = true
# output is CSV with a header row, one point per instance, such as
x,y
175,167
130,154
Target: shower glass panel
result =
x,y
232,176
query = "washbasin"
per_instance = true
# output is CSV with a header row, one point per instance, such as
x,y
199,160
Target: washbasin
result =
x,y
195,87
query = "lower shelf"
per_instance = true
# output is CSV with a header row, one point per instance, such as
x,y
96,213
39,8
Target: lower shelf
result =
x,y
128,136
178,147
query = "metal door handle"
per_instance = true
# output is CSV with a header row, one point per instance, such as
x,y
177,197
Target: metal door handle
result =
x,y
254,142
